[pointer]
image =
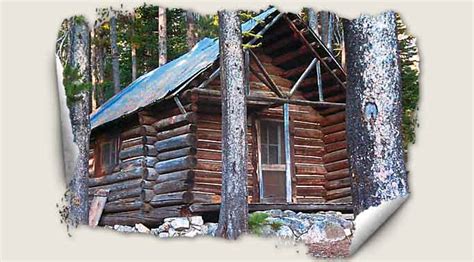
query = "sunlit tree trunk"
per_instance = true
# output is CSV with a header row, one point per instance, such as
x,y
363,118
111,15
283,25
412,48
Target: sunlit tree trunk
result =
x,y
313,20
162,35
234,209
133,47
191,32
115,52
79,113
374,109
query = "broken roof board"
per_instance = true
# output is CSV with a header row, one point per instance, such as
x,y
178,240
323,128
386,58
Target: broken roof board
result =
x,y
160,82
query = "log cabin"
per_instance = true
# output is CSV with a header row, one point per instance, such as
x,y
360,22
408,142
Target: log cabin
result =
x,y
156,145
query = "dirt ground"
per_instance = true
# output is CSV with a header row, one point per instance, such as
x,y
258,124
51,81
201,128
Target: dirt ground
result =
x,y
336,249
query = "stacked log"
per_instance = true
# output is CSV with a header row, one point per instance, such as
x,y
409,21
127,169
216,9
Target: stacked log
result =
x,y
308,154
175,149
338,180
208,176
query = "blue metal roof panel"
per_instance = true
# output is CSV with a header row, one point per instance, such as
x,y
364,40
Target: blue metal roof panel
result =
x,y
160,82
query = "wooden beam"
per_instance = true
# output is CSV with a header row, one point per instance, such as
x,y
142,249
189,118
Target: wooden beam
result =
x,y
302,77
310,47
271,100
274,87
343,208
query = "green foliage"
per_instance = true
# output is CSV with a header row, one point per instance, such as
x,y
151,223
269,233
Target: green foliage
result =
x,y
73,84
258,220
410,83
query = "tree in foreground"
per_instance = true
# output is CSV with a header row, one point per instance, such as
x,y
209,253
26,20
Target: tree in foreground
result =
x,y
234,209
374,111
115,52
77,82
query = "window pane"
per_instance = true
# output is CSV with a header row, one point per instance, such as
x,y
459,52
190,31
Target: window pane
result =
x,y
273,154
274,186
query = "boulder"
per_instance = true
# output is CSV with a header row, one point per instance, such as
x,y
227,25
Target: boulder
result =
x,y
126,229
196,220
274,212
180,223
142,228
210,228
285,232
334,232
289,213
164,227
164,234
298,226
191,233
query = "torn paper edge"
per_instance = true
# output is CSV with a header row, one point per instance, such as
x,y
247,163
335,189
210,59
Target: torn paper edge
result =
x,y
367,222
70,149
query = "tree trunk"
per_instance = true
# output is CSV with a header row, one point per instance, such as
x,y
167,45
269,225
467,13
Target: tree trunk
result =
x,y
162,46
191,33
133,48
100,74
93,68
323,18
374,111
115,53
79,113
313,20
234,209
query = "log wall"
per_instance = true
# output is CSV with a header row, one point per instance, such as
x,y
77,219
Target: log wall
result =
x,y
208,176
338,180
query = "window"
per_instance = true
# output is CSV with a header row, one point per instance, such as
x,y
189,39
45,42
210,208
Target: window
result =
x,y
273,168
106,155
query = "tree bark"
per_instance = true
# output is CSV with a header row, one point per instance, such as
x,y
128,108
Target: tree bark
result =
x,y
93,69
374,108
100,64
191,32
115,53
162,35
313,20
133,48
79,113
234,209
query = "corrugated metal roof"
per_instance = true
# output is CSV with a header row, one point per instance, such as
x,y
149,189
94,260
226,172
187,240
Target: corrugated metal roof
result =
x,y
157,84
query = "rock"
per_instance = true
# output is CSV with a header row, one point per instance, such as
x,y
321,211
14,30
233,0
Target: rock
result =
x,y
289,213
298,226
180,223
155,231
334,232
126,229
274,212
314,234
211,229
164,227
285,232
172,232
191,233
348,232
164,235
196,220
169,219
267,231
142,228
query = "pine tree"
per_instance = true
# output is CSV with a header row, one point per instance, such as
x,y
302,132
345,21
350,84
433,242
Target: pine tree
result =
x,y
374,114
234,208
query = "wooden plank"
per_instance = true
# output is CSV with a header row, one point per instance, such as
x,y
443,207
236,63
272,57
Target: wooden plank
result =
x,y
338,174
97,207
175,121
310,169
174,198
344,208
335,156
123,205
172,186
334,128
174,176
342,164
338,183
335,137
167,155
186,140
117,177
162,135
177,164
336,146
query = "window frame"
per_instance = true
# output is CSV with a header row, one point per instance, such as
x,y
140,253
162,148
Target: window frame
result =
x,y
99,169
262,167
